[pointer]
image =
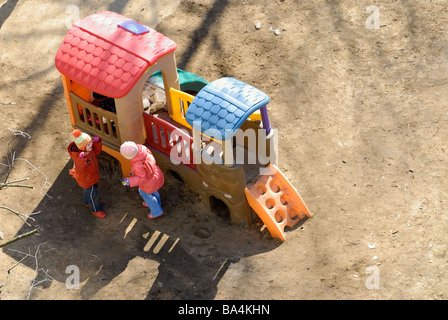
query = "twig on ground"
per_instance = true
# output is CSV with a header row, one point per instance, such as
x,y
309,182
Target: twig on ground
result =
x,y
24,235
21,215
34,283
2,285
10,184
20,133
12,159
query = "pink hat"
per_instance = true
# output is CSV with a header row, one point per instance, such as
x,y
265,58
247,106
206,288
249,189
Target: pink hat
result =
x,y
129,149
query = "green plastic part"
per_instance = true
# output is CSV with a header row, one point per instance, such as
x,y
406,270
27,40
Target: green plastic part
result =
x,y
189,82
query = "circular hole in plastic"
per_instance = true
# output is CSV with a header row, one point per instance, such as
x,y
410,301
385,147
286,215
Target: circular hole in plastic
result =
x,y
275,186
293,213
261,190
270,203
279,216
284,199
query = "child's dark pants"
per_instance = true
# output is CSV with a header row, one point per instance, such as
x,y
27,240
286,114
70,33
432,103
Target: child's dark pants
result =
x,y
91,197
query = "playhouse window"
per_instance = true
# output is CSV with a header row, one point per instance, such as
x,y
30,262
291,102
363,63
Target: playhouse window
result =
x,y
104,102
88,106
153,96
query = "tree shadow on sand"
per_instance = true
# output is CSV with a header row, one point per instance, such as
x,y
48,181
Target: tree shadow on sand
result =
x,y
183,263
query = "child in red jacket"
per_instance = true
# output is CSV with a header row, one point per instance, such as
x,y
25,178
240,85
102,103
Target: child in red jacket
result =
x,y
84,152
146,175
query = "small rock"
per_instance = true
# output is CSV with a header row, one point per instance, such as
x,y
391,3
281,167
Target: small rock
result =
x,y
1,235
258,25
202,232
276,31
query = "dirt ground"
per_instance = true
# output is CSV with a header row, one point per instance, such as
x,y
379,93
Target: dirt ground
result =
x,y
362,121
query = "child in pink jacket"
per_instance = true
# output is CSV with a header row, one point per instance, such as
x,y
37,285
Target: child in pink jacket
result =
x,y
146,175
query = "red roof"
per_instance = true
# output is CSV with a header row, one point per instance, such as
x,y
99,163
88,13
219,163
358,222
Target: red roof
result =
x,y
108,59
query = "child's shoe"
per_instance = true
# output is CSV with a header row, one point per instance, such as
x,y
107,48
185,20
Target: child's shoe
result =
x,y
99,214
151,217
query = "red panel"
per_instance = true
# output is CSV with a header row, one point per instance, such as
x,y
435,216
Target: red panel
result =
x,y
163,137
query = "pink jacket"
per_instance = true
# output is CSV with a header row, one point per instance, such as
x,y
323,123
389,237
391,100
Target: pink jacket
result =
x,y
146,173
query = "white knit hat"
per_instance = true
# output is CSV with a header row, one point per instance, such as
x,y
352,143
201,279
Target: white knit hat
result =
x,y
129,149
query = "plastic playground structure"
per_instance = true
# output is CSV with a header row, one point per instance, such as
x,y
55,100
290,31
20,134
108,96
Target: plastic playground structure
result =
x,y
213,136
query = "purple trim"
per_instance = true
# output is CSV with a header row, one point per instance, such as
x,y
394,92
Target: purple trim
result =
x,y
265,119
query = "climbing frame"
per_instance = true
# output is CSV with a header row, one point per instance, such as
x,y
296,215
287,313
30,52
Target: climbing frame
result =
x,y
276,202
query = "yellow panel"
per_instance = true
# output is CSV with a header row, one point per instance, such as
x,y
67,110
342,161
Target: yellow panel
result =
x,y
179,115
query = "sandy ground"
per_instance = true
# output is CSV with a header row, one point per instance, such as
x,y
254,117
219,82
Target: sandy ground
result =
x,y
362,121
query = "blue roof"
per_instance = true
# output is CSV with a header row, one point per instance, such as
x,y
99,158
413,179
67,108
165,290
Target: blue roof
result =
x,y
221,107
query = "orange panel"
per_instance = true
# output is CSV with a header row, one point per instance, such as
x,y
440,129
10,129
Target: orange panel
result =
x,y
125,163
81,91
67,88
276,202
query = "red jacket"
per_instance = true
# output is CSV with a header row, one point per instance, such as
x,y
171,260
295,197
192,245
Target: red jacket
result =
x,y
86,171
146,173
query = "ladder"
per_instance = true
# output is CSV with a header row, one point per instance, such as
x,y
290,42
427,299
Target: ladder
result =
x,y
275,200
